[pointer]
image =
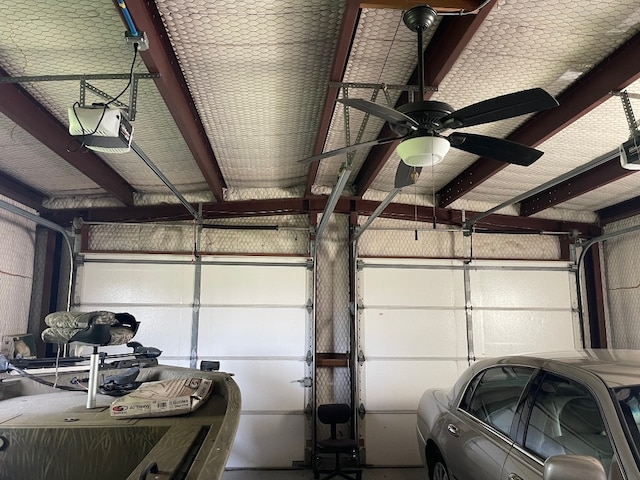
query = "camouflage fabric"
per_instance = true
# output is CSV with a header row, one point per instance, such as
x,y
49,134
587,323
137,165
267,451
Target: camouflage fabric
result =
x,y
64,326
79,320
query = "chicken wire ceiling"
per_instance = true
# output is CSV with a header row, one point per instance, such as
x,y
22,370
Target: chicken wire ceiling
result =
x,y
245,90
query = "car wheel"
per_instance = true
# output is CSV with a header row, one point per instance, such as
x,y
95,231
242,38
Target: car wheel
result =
x,y
438,470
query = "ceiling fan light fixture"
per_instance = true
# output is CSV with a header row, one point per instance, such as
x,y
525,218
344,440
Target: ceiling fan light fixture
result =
x,y
423,151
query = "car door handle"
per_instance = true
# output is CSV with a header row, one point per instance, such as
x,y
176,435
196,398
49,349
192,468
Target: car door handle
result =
x,y
514,476
453,430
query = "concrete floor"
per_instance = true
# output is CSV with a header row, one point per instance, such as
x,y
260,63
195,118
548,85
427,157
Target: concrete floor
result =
x,y
367,474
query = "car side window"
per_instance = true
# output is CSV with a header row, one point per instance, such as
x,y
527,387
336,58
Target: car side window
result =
x,y
565,419
493,395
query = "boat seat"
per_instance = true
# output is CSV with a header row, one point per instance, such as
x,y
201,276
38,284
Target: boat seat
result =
x,y
98,328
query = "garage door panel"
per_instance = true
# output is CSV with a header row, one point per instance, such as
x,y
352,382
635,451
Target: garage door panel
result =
x,y
391,439
501,332
250,316
252,331
399,384
412,287
519,289
129,283
414,333
268,385
254,284
268,441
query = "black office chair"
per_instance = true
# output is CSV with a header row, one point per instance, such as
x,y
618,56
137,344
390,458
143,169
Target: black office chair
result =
x,y
334,414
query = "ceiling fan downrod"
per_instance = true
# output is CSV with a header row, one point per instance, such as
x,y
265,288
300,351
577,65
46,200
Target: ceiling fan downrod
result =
x,y
418,19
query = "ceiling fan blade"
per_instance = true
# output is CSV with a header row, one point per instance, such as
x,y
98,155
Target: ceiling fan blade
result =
x,y
500,108
380,111
495,148
405,175
349,148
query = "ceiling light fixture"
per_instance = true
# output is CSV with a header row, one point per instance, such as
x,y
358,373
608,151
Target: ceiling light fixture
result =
x,y
423,150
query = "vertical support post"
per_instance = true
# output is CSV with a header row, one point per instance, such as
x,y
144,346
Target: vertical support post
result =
x,y
353,326
195,312
468,311
93,378
595,298
314,328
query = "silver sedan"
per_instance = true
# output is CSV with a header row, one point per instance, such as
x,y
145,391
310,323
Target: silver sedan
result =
x,y
569,415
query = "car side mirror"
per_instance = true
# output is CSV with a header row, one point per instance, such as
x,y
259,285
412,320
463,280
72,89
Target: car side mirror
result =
x,y
573,467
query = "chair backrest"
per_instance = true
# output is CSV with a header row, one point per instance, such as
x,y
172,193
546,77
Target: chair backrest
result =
x,y
334,413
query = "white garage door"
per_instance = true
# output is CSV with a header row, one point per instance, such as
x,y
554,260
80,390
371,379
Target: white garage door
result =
x,y
248,313
416,333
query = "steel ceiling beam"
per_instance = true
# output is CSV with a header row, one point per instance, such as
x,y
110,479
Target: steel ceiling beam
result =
x,y
316,204
345,37
619,211
18,191
615,72
595,178
448,42
20,107
160,58
441,6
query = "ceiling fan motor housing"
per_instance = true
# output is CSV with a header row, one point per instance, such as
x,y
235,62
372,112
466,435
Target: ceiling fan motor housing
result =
x,y
427,113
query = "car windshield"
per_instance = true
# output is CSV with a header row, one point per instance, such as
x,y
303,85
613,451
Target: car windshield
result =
x,y
629,401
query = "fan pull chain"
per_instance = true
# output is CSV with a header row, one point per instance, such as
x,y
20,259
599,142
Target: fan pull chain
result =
x,y
433,195
415,209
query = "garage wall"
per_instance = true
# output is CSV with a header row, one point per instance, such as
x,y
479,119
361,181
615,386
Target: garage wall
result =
x,y
249,313
16,270
621,271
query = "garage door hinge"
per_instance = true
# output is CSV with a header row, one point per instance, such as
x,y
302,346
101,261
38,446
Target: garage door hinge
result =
x,y
362,411
305,382
309,358
359,265
309,264
361,358
309,306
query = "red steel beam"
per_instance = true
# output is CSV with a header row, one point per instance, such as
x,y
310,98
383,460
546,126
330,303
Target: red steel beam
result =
x,y
616,72
619,211
315,204
596,177
20,107
18,191
160,58
448,42
345,37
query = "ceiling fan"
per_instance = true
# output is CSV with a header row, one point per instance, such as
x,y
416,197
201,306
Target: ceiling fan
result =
x,y
419,124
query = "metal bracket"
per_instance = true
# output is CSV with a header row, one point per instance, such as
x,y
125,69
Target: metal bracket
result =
x,y
361,357
133,88
309,357
309,306
306,382
403,88
362,411
628,111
